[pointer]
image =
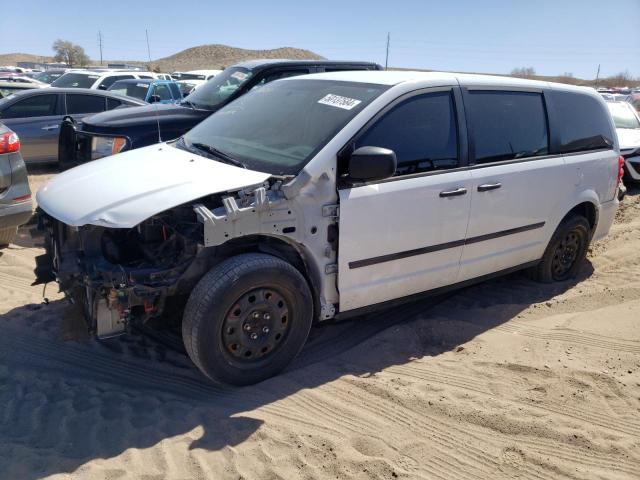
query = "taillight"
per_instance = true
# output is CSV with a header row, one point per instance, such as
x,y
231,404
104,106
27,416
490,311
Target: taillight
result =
x,y
9,142
620,168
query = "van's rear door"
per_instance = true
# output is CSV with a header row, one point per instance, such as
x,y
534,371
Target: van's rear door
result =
x,y
517,185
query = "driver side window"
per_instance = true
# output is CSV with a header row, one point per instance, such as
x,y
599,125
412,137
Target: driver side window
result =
x,y
421,130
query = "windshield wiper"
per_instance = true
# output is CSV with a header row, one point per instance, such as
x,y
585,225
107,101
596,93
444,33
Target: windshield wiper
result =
x,y
218,153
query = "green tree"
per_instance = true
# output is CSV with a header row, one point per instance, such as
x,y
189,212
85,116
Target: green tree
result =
x,y
70,53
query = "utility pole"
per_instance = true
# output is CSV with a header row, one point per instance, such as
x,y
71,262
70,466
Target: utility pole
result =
x,y
386,61
100,44
597,75
146,32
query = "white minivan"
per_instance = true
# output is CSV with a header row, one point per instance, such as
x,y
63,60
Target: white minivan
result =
x,y
326,196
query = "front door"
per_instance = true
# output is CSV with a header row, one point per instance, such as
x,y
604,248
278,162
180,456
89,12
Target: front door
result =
x,y
405,234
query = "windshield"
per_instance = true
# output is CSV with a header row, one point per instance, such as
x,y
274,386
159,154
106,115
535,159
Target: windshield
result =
x,y
47,77
75,80
623,115
278,128
213,93
130,89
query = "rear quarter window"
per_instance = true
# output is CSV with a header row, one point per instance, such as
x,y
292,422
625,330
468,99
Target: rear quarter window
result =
x,y
77,104
582,122
113,103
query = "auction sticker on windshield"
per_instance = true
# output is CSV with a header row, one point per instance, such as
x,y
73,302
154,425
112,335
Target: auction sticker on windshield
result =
x,y
339,101
239,75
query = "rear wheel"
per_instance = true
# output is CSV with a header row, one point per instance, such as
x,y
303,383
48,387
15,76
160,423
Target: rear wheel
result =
x,y
247,319
7,236
566,251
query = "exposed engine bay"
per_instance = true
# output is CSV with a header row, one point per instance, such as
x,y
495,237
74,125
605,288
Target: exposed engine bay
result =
x,y
119,277
123,275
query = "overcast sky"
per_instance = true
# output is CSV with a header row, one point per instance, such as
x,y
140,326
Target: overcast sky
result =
x,y
493,36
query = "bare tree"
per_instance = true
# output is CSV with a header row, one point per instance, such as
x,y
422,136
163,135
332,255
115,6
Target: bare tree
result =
x,y
69,53
524,72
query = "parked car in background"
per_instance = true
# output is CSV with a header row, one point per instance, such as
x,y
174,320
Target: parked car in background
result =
x,y
7,88
327,196
100,80
196,75
15,195
150,91
11,69
634,100
48,76
187,87
627,122
138,127
35,115
22,79
192,80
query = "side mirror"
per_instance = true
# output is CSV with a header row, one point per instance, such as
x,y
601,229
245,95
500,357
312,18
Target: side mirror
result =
x,y
102,87
154,99
367,164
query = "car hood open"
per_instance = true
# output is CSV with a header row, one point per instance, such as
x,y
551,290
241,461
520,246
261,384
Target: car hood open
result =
x,y
123,190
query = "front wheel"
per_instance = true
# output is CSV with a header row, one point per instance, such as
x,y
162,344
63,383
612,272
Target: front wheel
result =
x,y
566,251
247,319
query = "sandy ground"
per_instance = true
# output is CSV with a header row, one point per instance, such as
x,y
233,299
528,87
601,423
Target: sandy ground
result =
x,y
507,379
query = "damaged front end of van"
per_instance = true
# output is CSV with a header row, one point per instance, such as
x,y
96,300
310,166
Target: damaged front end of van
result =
x,y
123,250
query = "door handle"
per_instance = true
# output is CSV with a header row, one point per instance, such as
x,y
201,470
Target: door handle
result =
x,y
453,193
51,127
485,187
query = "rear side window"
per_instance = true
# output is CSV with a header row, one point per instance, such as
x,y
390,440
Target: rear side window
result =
x,y
108,81
507,125
422,131
113,103
583,122
37,106
84,104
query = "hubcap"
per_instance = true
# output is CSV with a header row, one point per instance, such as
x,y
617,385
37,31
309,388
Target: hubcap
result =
x,y
256,324
565,254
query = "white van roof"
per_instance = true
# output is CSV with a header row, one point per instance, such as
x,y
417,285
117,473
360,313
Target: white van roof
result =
x,y
397,77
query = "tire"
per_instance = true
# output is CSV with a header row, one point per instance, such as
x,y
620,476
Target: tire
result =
x,y
7,236
566,251
221,319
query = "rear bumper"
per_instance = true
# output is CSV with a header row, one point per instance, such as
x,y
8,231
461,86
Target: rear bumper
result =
x,y
15,214
606,216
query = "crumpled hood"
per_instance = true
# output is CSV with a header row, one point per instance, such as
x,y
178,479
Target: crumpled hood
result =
x,y
123,190
629,138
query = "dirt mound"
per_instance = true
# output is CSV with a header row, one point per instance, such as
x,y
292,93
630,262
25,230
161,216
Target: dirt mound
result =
x,y
221,56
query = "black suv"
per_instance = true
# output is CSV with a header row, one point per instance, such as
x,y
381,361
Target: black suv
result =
x,y
112,132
